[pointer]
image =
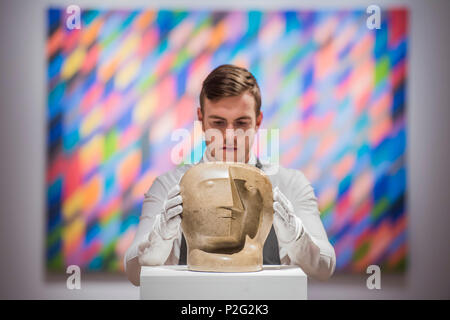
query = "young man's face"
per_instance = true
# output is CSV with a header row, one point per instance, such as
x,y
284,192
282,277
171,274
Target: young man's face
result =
x,y
230,125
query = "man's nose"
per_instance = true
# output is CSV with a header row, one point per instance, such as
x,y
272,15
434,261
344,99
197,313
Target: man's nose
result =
x,y
229,134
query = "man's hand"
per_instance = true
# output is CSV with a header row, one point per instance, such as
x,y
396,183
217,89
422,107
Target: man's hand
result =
x,y
288,227
154,250
169,220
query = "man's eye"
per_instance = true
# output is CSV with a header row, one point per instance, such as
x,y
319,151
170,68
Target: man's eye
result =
x,y
218,123
242,123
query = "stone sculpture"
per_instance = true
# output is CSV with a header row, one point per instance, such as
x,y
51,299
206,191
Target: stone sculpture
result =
x,y
227,215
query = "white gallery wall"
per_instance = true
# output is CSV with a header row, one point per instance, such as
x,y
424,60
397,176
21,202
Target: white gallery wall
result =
x,y
23,144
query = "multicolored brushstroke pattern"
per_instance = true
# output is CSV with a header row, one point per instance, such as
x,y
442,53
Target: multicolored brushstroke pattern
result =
x,y
120,85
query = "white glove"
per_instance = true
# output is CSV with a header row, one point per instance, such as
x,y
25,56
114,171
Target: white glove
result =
x,y
154,249
169,221
288,226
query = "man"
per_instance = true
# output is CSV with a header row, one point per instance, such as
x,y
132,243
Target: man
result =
x,y
230,103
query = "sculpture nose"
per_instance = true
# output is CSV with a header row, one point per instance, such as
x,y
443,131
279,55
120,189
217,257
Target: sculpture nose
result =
x,y
232,200
237,204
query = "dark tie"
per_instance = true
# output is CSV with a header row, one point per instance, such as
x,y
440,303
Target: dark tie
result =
x,y
271,255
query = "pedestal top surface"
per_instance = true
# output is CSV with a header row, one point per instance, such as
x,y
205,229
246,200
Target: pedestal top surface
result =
x,y
182,271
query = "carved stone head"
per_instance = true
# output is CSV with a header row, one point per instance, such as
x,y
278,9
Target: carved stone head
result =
x,y
227,215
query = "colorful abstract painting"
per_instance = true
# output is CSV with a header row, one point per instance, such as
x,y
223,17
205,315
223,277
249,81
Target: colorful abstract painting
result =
x,y
126,79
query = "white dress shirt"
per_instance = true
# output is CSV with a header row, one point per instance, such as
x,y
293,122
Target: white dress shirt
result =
x,y
311,251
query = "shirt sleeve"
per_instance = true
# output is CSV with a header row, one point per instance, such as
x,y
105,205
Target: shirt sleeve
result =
x,y
151,207
311,251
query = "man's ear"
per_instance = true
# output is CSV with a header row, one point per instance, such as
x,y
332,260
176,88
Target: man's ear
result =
x,y
200,117
259,120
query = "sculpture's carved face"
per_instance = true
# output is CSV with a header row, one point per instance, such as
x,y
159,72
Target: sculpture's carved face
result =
x,y
232,209
224,203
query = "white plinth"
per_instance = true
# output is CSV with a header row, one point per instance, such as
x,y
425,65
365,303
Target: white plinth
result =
x,y
178,283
